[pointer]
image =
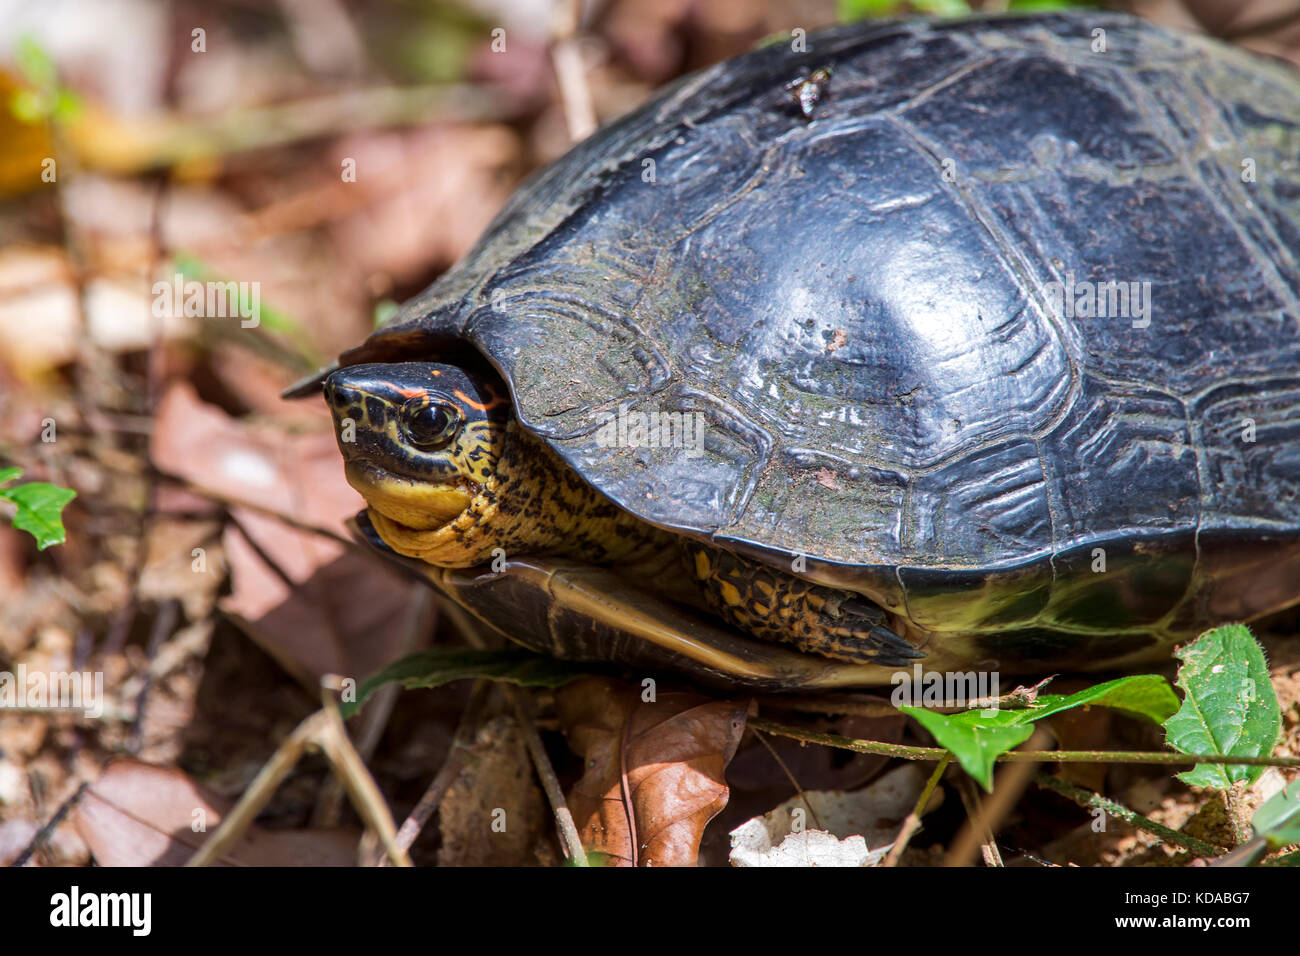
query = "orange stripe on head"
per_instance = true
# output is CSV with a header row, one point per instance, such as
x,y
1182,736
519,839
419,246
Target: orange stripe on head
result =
x,y
475,405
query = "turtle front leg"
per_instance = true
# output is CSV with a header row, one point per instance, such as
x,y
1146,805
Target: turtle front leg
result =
x,y
775,606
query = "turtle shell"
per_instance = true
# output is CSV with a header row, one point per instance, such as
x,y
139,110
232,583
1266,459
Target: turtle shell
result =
x,y
881,312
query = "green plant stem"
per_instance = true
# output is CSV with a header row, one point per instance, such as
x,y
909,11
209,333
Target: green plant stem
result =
x,y
1094,801
913,821
1017,756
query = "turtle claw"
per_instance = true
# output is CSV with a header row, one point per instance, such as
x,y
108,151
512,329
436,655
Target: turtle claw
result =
x,y
863,609
895,651
890,649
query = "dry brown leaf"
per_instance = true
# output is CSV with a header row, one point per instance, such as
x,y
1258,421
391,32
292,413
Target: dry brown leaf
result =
x,y
654,773
495,814
315,622
138,814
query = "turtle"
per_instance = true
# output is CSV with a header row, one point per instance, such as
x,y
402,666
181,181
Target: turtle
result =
x,y
982,352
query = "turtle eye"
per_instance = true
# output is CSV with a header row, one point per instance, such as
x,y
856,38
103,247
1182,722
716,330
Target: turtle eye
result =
x,y
429,423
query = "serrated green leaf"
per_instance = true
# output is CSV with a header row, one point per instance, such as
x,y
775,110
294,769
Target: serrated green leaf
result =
x,y
1229,708
1146,696
975,737
40,507
442,665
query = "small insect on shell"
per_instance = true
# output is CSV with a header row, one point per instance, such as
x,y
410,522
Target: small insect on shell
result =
x,y
808,90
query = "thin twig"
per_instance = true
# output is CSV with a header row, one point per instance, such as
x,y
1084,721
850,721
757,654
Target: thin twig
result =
x,y
164,625
975,825
833,704
762,739
913,821
1017,756
324,730
43,834
260,791
1010,784
1095,801
472,630
550,783
461,743
417,622
571,72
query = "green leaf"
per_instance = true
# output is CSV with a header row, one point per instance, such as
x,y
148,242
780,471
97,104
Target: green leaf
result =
x,y
29,107
39,510
1278,819
942,8
384,310
975,737
1286,836
1229,708
1147,696
442,665
1048,6
34,63
9,474
40,507
67,105
848,10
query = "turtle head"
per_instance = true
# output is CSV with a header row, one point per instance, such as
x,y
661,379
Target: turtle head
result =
x,y
419,439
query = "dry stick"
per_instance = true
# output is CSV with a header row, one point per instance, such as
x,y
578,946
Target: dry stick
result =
x,y
625,788
417,620
259,792
1016,756
570,72
163,627
869,705
469,628
550,783
154,142
43,834
323,729
913,821
1095,801
361,786
432,798
834,705
762,739
970,799
1010,784
230,502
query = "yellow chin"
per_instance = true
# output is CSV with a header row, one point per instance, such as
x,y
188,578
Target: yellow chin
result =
x,y
416,504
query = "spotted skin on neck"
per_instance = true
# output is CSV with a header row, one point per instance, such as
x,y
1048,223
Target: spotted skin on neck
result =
x,y
470,485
